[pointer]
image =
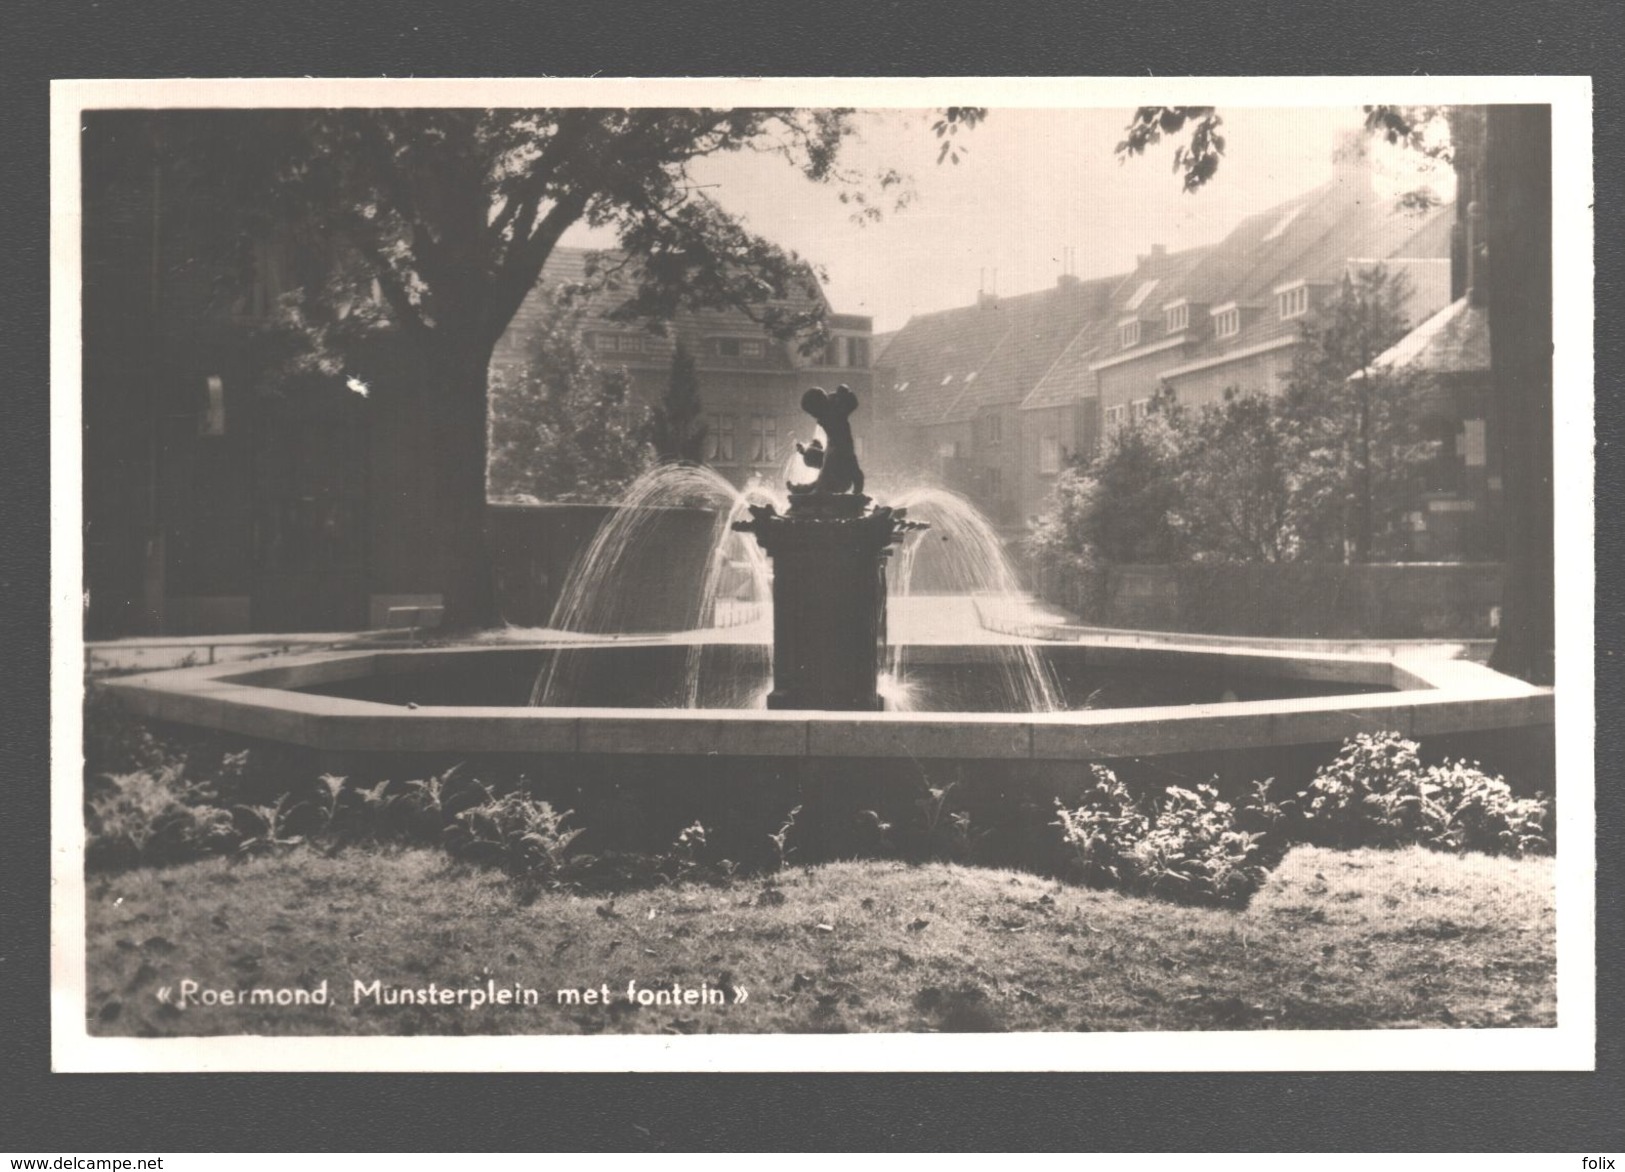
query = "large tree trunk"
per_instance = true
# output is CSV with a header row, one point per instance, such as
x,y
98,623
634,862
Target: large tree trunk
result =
x,y
1518,227
457,413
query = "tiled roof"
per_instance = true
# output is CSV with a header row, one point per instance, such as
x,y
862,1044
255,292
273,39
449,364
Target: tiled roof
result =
x,y
937,355
567,265
1330,229
1069,377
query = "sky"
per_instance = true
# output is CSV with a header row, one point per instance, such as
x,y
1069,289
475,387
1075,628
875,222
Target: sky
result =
x,y
1030,183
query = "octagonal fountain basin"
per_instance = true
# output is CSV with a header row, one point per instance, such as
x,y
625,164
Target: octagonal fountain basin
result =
x,y
1188,712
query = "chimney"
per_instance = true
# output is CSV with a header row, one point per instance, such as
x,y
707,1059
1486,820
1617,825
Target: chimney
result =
x,y
1069,268
988,295
1158,254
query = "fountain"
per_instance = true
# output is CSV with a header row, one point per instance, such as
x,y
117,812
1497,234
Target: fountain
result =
x,y
828,700
829,552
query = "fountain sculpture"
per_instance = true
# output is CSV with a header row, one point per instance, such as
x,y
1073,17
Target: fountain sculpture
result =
x,y
829,550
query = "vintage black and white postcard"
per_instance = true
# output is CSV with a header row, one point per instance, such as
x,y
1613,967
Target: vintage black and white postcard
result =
x,y
818,574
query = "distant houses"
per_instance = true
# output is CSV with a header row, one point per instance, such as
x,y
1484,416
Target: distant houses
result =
x,y
993,398
750,383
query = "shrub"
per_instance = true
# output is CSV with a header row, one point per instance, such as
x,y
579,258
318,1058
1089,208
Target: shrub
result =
x,y
1104,831
1375,793
1190,849
1484,816
152,816
1194,852
526,836
1378,793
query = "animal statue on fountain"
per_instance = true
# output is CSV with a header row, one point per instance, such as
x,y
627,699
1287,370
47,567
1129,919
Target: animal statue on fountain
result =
x,y
837,461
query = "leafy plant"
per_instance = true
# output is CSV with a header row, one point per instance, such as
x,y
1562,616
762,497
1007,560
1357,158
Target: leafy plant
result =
x,y
1484,816
1373,794
684,857
153,816
781,838
948,832
265,828
1193,851
1104,831
524,835
1378,793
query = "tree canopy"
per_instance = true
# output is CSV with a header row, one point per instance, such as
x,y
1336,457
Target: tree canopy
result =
x,y
449,215
1321,472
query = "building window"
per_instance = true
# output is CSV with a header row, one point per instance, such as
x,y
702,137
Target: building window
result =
x,y
1179,318
728,347
832,352
1049,453
992,430
719,439
1227,322
1128,334
750,348
1116,416
857,352
764,439
1139,409
605,342
1293,302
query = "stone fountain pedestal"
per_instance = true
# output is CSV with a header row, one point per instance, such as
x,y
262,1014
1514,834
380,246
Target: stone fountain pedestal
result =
x,y
829,554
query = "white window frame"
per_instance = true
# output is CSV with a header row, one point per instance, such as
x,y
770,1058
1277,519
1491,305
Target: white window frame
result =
x,y
1226,320
1179,316
1128,334
764,439
1292,300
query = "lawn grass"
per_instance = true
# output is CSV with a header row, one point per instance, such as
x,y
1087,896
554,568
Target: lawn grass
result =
x,y
1347,939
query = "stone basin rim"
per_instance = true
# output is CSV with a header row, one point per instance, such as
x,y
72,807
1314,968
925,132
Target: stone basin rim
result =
x,y
254,698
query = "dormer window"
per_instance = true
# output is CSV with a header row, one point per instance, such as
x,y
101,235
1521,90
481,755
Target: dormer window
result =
x,y
1178,316
1128,333
1292,300
1226,320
